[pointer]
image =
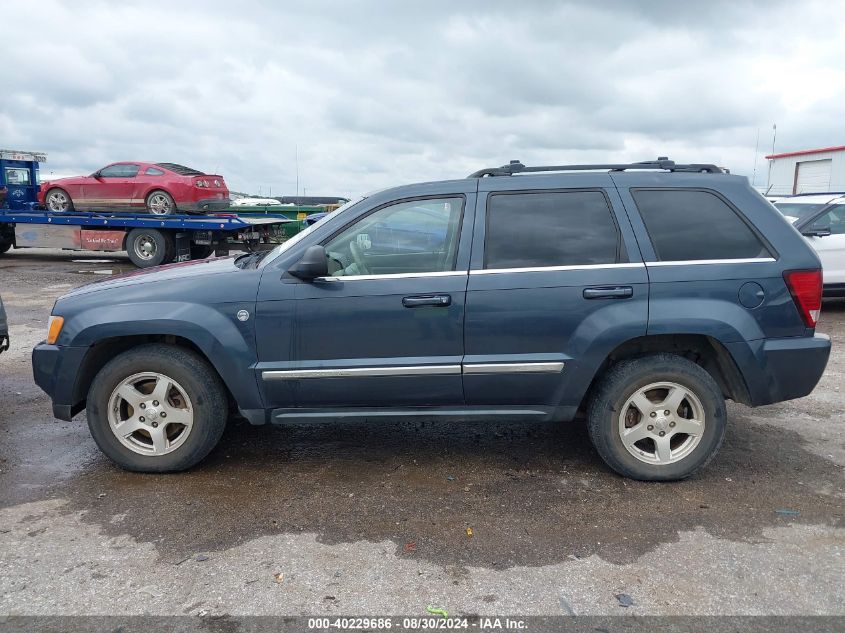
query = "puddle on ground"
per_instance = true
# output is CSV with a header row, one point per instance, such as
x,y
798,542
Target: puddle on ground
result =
x,y
95,272
533,494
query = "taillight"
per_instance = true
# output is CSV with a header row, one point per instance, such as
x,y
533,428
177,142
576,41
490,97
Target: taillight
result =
x,y
201,183
806,289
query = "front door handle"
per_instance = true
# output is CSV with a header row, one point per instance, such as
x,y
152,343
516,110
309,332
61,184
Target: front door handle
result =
x,y
441,301
609,292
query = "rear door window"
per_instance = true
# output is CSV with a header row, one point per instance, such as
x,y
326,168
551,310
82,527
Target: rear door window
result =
x,y
545,229
690,225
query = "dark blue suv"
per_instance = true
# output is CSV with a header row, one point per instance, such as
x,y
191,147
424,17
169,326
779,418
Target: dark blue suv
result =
x,y
642,295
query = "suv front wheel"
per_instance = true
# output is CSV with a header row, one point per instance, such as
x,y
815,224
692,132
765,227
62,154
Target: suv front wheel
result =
x,y
157,408
657,418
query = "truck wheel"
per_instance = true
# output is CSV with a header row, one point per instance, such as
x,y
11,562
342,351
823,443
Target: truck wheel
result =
x,y
161,203
157,408
5,246
149,247
58,201
657,418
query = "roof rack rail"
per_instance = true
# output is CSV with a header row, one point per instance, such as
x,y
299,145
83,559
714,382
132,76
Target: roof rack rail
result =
x,y
516,167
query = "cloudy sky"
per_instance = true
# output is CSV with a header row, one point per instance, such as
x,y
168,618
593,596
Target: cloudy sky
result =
x,y
372,94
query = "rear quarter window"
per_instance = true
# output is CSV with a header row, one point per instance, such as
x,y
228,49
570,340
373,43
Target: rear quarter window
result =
x,y
689,225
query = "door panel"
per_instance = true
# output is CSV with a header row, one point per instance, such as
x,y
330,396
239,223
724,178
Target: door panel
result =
x,y
114,188
535,335
542,317
409,355
385,331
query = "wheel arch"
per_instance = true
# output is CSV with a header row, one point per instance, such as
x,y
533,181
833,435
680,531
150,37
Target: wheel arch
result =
x,y
153,189
708,352
106,349
226,347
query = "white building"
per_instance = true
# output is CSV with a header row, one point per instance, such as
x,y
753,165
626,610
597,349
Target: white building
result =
x,y
807,171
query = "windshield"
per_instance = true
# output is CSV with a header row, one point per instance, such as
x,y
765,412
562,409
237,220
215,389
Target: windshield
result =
x,y
281,248
798,210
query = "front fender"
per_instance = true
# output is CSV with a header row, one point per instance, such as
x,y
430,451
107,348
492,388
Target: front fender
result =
x,y
228,343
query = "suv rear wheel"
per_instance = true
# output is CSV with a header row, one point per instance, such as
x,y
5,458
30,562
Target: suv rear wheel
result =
x,y
157,408
657,418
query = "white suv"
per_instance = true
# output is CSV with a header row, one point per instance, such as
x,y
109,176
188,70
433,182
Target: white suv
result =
x,y
821,219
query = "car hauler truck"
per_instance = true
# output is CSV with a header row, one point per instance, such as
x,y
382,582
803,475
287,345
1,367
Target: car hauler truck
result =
x,y
148,240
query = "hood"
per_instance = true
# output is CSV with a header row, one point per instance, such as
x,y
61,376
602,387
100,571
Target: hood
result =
x,y
196,269
67,180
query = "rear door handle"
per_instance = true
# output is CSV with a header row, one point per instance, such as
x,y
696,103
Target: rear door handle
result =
x,y
441,301
609,292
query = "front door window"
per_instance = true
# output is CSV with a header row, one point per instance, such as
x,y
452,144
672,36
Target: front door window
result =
x,y
419,236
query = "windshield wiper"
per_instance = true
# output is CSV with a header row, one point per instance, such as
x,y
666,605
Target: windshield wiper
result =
x,y
250,260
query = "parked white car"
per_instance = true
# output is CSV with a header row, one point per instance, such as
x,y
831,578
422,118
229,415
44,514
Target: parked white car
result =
x,y
821,219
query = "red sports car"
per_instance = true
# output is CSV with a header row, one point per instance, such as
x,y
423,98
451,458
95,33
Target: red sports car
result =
x,y
160,188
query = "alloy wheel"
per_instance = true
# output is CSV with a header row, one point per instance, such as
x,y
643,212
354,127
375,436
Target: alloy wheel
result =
x,y
661,423
150,414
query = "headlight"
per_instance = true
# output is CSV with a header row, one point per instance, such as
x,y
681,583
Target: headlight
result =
x,y
54,328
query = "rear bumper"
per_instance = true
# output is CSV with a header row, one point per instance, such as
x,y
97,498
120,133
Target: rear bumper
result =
x,y
55,369
206,205
782,369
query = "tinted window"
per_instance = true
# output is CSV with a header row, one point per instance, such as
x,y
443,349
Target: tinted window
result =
x,y
528,230
407,237
689,225
152,171
119,171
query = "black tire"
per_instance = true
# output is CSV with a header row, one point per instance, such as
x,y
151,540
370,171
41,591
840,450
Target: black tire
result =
x,y
625,379
4,247
160,202
56,208
199,380
201,251
150,247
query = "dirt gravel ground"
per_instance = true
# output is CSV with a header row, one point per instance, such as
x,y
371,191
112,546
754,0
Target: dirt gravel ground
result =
x,y
372,518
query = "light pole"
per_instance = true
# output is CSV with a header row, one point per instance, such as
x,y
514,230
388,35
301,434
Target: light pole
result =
x,y
772,160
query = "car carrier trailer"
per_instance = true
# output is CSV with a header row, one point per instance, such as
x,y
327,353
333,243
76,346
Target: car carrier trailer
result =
x,y
148,240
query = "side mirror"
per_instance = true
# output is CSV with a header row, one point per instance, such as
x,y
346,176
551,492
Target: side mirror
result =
x,y
313,264
823,231
96,175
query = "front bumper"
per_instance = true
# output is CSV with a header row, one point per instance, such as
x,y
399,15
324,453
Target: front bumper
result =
x,y
206,205
55,370
782,369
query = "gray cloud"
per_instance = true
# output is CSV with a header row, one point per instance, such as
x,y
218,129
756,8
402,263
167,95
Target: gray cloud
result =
x,y
374,94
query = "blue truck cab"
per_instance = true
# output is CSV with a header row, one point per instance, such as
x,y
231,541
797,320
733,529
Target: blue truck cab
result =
x,y
19,179
641,295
